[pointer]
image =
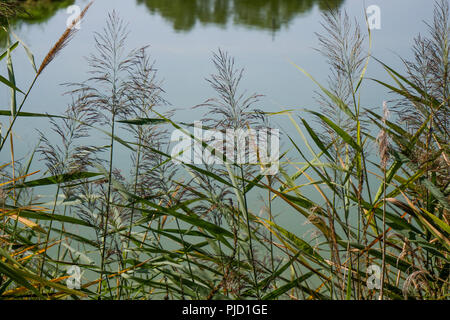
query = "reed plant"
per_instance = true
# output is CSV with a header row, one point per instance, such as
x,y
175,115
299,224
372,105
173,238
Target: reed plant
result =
x,y
174,230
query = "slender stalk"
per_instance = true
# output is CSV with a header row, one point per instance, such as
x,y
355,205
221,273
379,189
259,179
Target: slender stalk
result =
x,y
383,257
108,200
187,256
136,177
252,258
48,232
60,240
269,181
18,111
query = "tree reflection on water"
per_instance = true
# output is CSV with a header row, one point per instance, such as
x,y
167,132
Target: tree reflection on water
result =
x,y
262,14
184,14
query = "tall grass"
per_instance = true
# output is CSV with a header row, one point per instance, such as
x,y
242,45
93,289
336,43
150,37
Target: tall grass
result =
x,y
185,231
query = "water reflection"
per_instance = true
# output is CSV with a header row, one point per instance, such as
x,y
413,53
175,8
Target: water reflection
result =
x,y
36,11
184,14
262,14
30,12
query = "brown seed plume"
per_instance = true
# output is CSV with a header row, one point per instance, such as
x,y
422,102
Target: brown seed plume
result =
x,y
382,139
63,40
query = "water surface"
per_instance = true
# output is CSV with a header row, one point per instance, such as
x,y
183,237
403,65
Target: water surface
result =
x,y
263,36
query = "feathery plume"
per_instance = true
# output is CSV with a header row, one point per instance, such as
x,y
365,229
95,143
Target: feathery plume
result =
x,y
63,40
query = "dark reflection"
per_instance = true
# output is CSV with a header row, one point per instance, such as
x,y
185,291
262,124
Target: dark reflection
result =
x,y
183,14
31,11
263,14
16,13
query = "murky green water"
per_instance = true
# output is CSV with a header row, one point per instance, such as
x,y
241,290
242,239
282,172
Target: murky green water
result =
x,y
263,36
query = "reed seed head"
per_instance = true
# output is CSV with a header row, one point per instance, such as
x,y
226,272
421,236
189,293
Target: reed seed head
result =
x,y
63,40
383,139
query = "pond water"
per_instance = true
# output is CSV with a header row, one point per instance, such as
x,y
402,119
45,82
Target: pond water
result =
x,y
263,36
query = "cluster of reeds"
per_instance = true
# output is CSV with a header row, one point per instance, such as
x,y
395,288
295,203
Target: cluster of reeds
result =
x,y
380,219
